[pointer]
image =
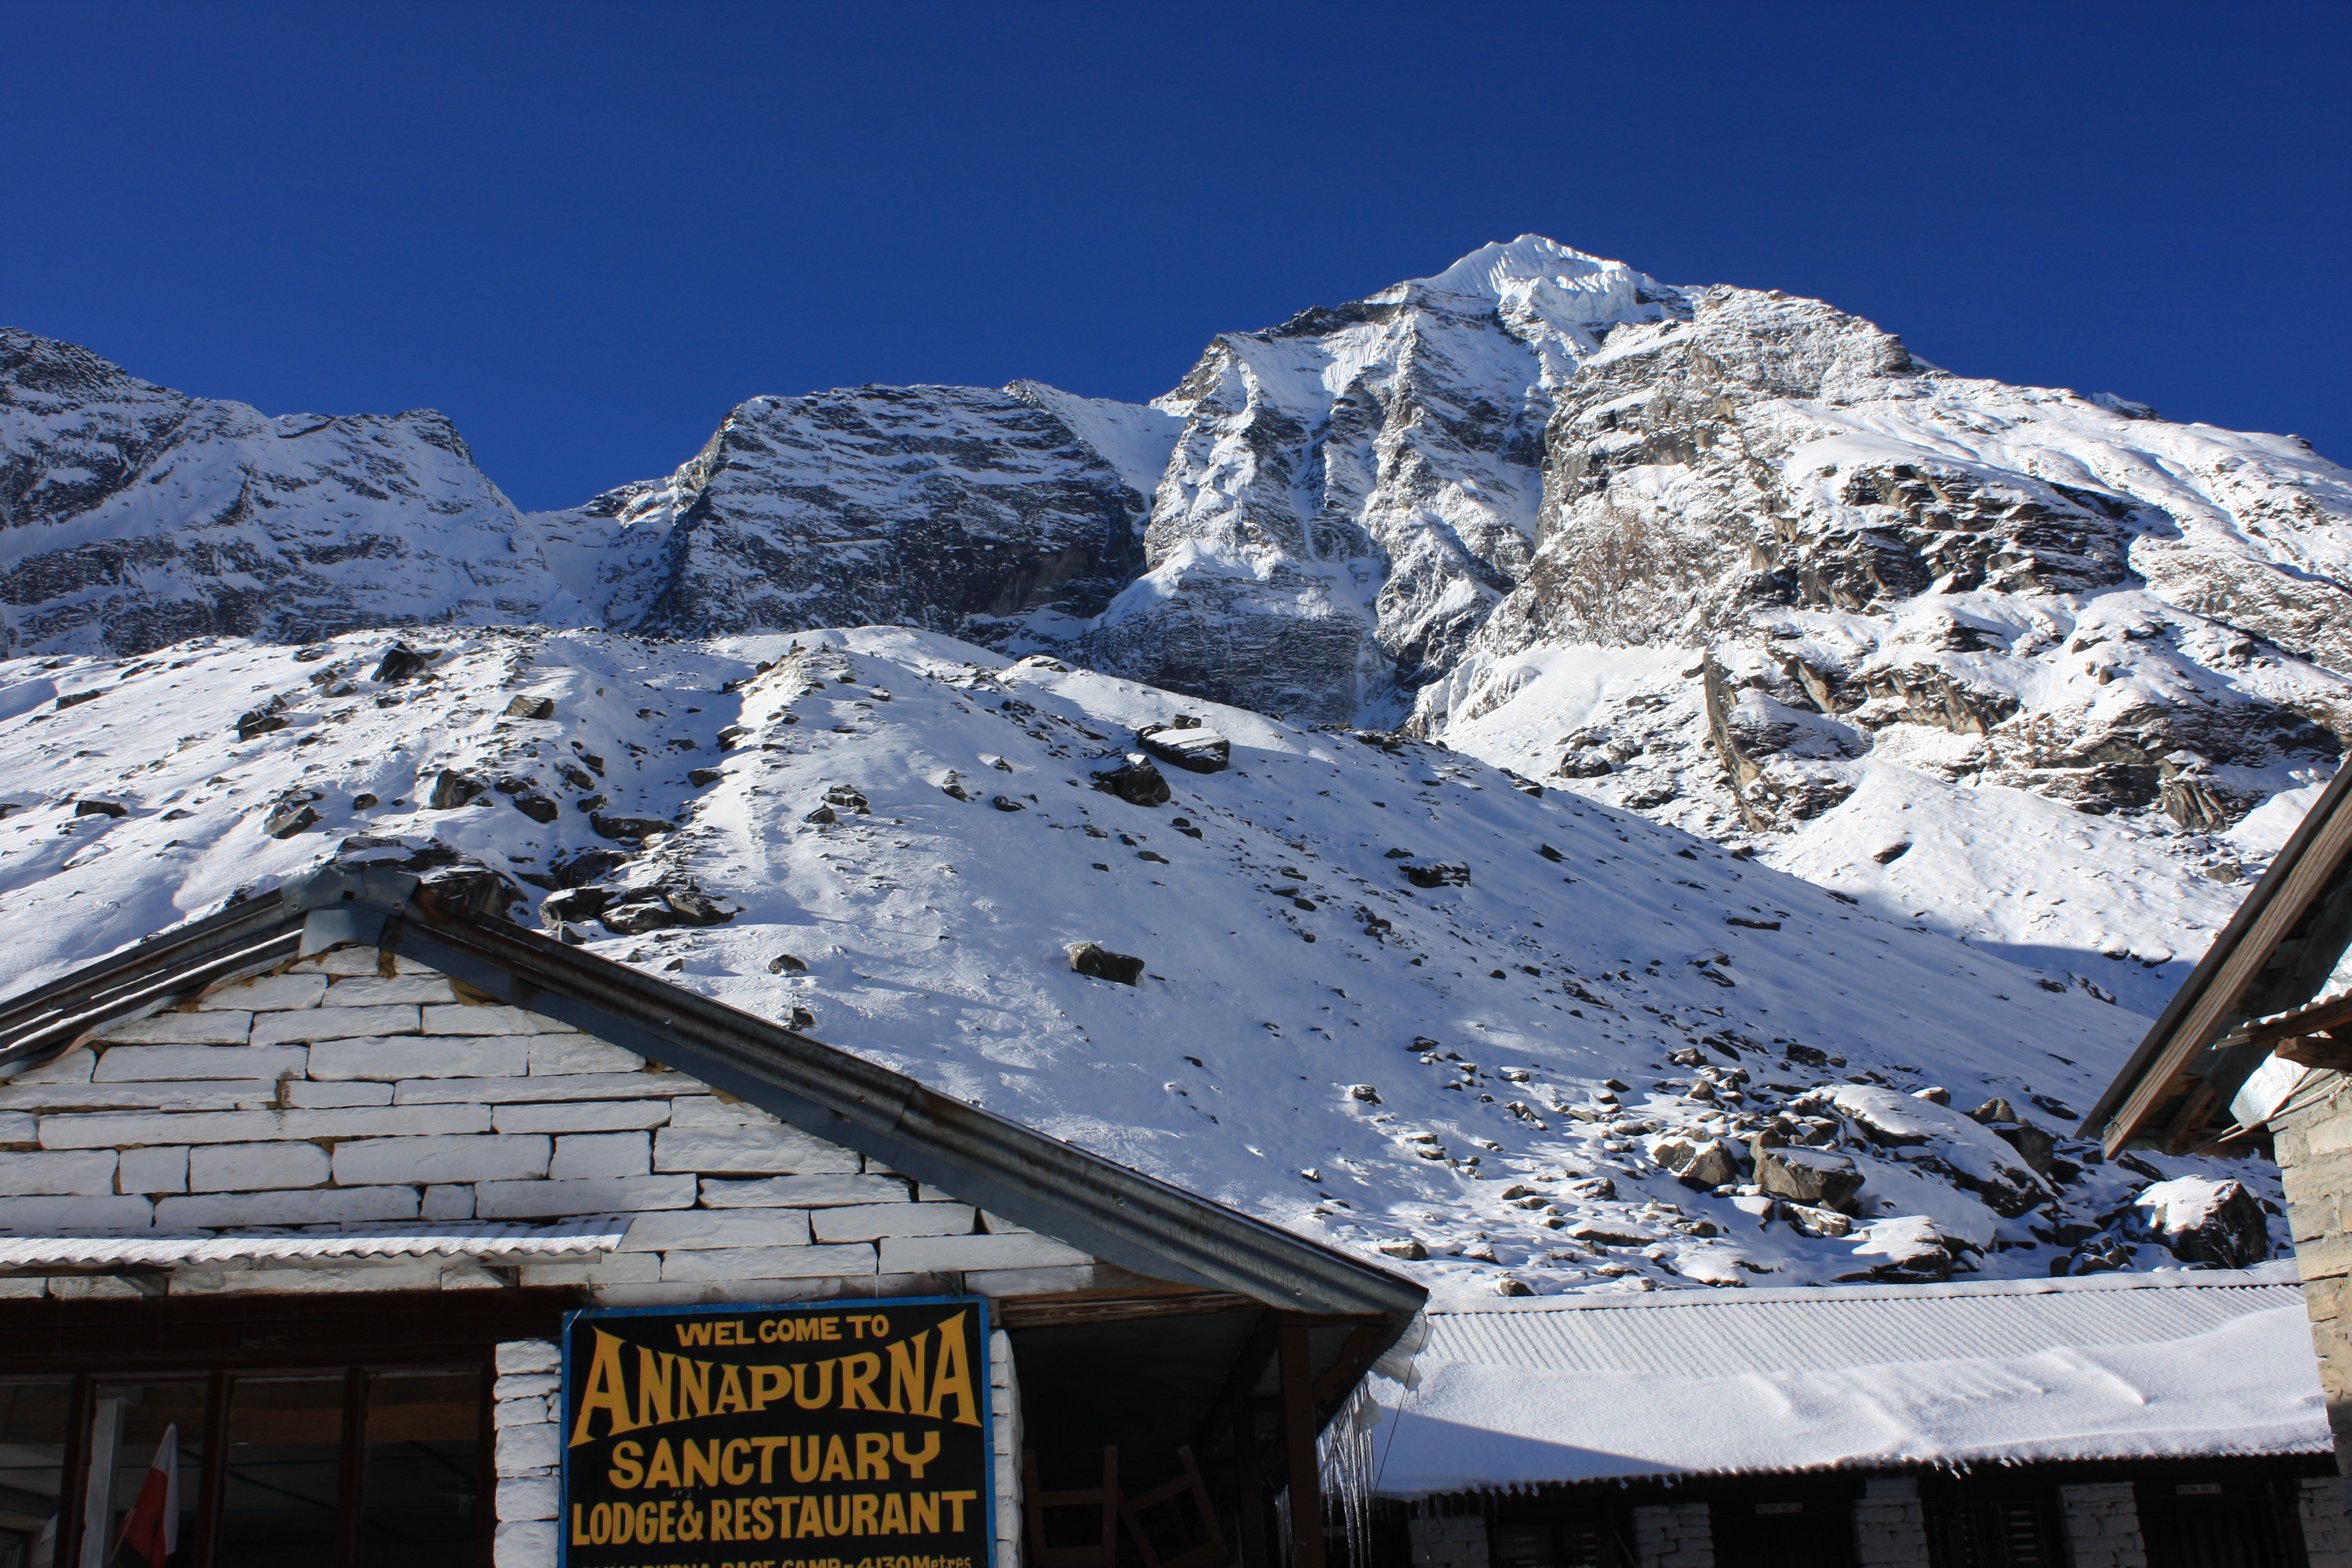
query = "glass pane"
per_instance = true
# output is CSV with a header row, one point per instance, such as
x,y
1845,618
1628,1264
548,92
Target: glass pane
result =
x,y
423,1469
146,1464
32,1457
284,1439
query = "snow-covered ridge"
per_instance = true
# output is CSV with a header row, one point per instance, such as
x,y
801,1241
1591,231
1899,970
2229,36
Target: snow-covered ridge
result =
x,y
1388,997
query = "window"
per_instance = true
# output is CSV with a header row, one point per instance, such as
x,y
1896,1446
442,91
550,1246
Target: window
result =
x,y
325,1468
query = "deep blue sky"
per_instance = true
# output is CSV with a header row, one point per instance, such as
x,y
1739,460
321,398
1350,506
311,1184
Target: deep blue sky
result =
x,y
586,230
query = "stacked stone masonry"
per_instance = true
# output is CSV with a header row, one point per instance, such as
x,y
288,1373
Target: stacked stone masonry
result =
x,y
2315,1155
2102,1524
2326,1526
358,1090
1890,1524
1673,1535
1448,1541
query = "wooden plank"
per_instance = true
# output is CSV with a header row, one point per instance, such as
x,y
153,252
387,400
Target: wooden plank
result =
x,y
2318,1020
2333,1052
2309,874
1298,1431
1060,1309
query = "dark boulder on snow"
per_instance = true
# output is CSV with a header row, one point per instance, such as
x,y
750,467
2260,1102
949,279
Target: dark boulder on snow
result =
x,y
1810,1177
574,905
532,707
1192,748
399,663
2205,1220
628,826
1137,781
1093,958
451,790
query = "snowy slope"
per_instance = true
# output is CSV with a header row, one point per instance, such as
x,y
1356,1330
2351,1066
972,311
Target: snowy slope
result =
x,y
1317,1039
135,516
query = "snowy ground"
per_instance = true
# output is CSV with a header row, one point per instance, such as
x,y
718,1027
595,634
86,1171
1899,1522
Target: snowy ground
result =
x,y
1317,1040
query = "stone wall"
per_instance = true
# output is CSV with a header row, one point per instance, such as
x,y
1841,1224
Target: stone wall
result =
x,y
2102,1523
358,1090
2314,1146
1890,1524
1448,1541
2327,1527
1673,1535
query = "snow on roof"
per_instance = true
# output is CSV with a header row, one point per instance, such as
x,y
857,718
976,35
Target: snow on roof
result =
x,y
597,1233
2118,1366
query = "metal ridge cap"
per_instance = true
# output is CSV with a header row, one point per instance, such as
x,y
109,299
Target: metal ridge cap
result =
x,y
1058,1176
130,964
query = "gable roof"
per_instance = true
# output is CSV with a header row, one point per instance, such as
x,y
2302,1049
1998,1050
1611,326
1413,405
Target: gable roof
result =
x,y
1118,1214
2266,969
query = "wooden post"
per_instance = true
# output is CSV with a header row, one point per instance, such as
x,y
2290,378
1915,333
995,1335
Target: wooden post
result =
x,y
1298,1423
351,1483
215,1471
73,1483
1249,1485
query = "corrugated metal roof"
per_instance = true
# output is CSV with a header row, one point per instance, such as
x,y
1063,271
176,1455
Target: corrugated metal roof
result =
x,y
1723,1334
1564,1392
573,1239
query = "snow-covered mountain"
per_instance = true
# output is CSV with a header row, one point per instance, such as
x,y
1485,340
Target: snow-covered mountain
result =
x,y
2040,671
1386,994
132,517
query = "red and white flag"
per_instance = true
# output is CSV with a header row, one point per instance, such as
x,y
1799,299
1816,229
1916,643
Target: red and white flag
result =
x,y
153,1530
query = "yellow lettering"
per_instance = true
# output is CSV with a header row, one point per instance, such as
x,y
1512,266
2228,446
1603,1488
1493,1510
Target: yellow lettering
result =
x,y
914,1461
894,1514
689,1522
769,1383
604,1391
648,1516
828,1328
653,1386
823,1386
694,1334
922,1513
662,1470
626,1473
857,1374
723,1520
727,1463
906,1376
862,1510
693,1380
805,1470
951,1378
812,1519
731,1391
668,1524
702,1463
956,1501
580,1526
768,1447
836,1462
768,1330
836,1525
873,1456
762,1524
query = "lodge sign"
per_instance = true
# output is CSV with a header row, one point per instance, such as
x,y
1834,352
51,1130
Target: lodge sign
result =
x,y
846,1434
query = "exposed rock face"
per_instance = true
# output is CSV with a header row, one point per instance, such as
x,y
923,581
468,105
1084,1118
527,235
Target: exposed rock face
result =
x,y
1356,489
132,517
956,508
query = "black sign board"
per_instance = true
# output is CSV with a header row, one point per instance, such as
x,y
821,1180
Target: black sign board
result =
x,y
824,1435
